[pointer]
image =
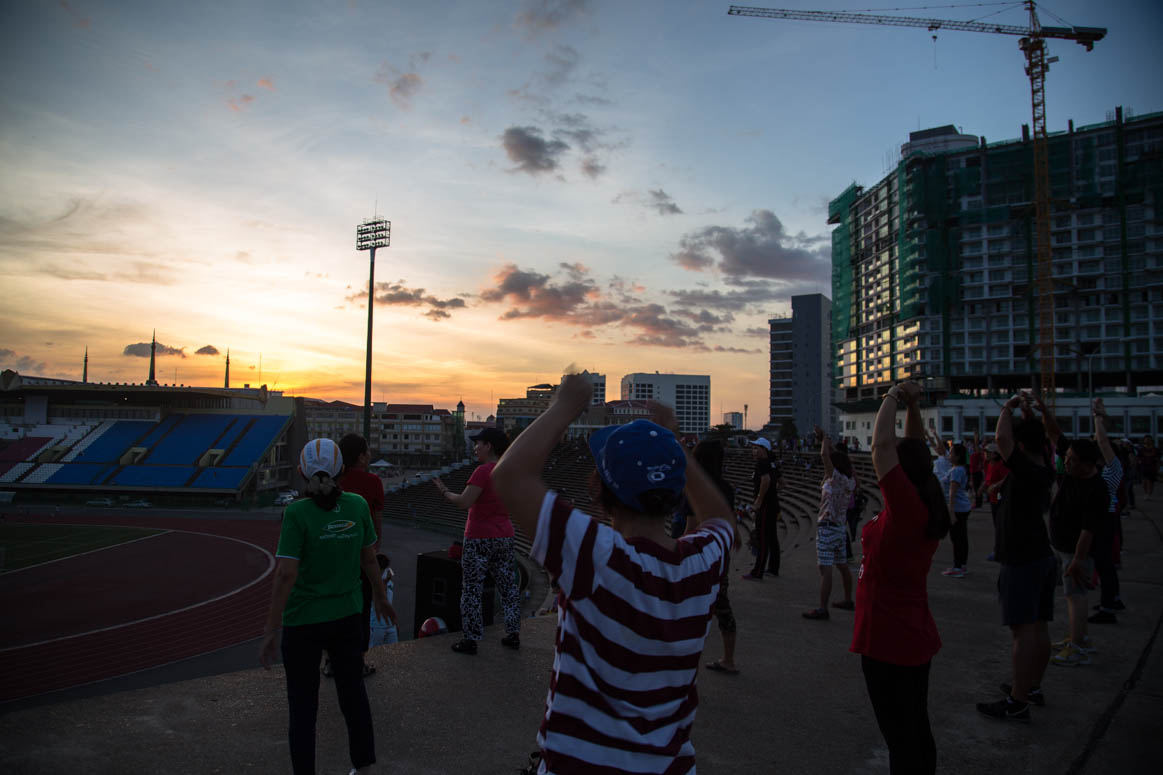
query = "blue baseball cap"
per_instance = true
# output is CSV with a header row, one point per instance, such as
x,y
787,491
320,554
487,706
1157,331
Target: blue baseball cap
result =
x,y
638,457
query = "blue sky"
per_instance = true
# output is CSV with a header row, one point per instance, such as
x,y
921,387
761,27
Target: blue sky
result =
x,y
620,186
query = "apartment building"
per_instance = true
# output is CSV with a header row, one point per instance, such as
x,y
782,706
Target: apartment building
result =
x,y
688,394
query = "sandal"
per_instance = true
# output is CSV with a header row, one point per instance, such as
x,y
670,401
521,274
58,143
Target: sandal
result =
x,y
719,667
816,613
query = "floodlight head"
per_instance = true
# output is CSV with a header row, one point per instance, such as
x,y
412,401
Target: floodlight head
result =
x,y
373,233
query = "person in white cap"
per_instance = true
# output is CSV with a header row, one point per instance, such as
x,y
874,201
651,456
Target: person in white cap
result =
x,y
765,510
327,538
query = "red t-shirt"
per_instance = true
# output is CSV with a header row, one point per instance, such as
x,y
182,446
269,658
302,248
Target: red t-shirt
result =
x,y
977,462
893,620
487,517
994,473
368,485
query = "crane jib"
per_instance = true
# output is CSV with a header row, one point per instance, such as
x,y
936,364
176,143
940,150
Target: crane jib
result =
x,y
1085,36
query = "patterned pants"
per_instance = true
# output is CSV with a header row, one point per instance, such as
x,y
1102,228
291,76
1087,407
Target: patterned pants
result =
x,y
483,555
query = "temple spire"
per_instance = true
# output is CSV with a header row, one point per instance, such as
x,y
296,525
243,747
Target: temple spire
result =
x,y
153,360
85,373
227,383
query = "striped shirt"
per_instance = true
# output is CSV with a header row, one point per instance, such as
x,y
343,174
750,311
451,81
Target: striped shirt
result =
x,y
631,626
1112,474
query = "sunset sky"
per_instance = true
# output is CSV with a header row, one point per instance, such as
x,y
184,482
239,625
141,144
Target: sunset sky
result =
x,y
620,186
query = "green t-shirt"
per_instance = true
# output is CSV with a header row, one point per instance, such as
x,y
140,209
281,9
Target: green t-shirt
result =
x,y
327,545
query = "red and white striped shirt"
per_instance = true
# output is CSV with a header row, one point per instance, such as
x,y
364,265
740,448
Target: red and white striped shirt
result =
x,y
631,626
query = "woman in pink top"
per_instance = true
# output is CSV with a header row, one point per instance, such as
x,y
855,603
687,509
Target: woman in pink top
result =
x,y
488,545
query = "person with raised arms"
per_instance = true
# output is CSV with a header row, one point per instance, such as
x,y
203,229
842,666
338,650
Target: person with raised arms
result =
x,y
635,603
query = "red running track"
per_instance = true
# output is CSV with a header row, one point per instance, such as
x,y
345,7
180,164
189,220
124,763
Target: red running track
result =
x,y
69,618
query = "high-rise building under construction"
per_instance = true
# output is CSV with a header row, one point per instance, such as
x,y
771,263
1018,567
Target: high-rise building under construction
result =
x,y
934,269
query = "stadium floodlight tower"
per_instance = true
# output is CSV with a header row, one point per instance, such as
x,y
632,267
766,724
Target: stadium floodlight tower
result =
x,y
369,235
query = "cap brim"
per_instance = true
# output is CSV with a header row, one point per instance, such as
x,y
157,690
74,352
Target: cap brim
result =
x,y
598,439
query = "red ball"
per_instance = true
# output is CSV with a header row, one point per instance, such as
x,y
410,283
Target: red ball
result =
x,y
433,625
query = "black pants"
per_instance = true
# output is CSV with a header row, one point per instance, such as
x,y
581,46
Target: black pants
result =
x,y
768,543
993,507
302,648
1103,553
978,477
365,627
959,535
900,699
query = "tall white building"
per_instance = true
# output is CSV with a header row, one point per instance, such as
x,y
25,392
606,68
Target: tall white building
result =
x,y
689,394
599,383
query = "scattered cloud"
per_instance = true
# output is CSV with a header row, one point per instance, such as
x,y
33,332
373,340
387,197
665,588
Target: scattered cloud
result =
x,y
465,120
654,199
537,16
266,83
721,349
530,151
754,293
762,249
240,103
662,203
757,331
207,350
10,359
562,61
707,321
397,294
403,85
536,295
81,21
142,350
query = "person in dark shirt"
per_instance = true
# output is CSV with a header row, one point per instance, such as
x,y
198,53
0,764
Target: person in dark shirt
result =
x,y
765,509
1076,515
357,479
1029,569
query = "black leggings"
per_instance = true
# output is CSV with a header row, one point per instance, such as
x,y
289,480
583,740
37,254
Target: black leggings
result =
x,y
900,699
303,647
959,535
767,541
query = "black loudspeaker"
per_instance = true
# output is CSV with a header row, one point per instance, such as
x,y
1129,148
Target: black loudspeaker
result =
x,y
438,592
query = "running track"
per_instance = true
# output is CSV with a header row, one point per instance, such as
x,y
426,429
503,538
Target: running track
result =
x,y
65,622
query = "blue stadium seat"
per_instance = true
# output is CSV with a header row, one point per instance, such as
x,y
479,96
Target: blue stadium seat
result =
x,y
154,476
160,430
80,473
113,443
195,434
256,441
220,478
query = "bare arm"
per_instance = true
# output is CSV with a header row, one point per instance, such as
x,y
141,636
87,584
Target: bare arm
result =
x,y
825,450
286,571
371,570
462,500
517,476
1052,429
914,427
884,456
1100,437
1004,434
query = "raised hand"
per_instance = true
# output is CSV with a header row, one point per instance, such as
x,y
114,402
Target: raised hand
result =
x,y
574,392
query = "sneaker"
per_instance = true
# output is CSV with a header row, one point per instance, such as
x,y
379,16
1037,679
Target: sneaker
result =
x,y
750,577
1103,617
955,573
816,613
1087,645
1117,605
1071,656
465,646
1034,696
512,640
1006,710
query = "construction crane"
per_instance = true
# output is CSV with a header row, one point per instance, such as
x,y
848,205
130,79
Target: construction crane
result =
x,y
1033,44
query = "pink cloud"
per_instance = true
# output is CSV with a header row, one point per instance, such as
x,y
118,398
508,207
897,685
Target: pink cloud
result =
x,y
266,83
240,104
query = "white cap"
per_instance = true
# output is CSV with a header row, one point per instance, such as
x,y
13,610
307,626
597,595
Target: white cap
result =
x,y
761,442
321,455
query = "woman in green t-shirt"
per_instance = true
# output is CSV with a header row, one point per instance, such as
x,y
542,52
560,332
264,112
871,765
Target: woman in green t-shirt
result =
x,y
327,539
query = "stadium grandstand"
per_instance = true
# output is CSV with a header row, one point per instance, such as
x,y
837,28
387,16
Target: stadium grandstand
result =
x,y
174,443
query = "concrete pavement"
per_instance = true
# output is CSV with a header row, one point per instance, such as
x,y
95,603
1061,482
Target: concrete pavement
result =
x,y
798,706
